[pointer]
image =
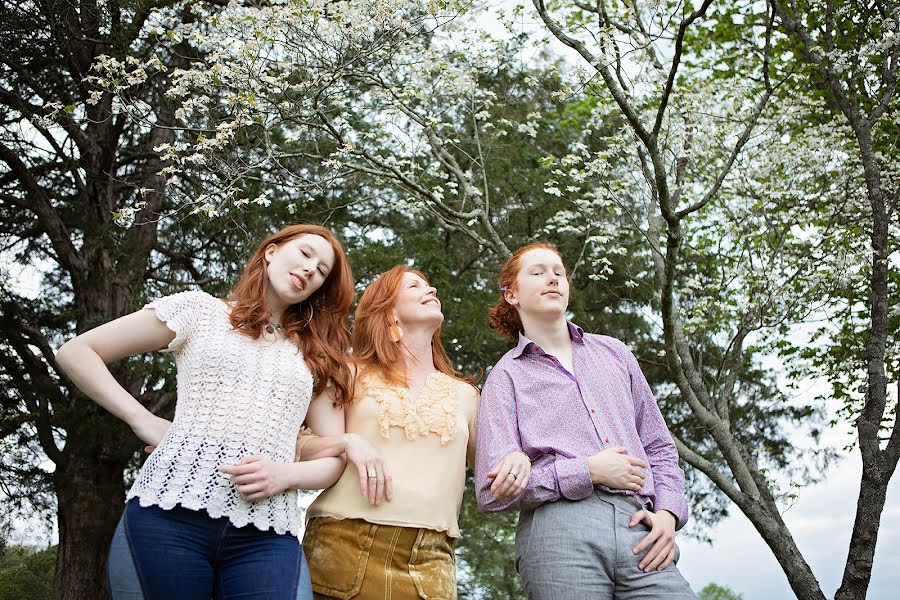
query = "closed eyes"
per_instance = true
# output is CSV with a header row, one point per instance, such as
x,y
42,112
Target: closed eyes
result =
x,y
322,272
557,273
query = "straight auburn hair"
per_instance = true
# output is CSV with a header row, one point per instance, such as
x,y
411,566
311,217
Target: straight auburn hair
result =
x,y
503,316
373,350
318,325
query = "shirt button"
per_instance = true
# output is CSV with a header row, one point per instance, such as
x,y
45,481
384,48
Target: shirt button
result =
x,y
606,440
593,411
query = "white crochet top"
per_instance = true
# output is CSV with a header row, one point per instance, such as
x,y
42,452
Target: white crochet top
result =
x,y
236,397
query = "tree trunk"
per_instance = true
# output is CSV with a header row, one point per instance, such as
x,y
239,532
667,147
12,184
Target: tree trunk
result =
x,y
775,533
869,507
90,493
877,465
89,483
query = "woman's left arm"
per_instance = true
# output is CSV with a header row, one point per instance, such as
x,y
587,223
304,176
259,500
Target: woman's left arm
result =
x,y
326,422
471,396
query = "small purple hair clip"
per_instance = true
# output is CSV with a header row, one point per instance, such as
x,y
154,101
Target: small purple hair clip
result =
x,y
505,288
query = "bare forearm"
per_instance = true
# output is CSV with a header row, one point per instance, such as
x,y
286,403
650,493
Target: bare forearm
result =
x,y
470,452
315,474
324,446
88,371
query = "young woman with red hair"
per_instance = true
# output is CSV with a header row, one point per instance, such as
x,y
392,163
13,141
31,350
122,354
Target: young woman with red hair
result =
x,y
388,527
213,511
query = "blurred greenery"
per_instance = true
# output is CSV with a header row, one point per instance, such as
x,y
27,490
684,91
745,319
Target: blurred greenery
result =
x,y
714,591
26,572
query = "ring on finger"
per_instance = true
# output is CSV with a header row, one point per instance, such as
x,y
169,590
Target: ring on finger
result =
x,y
372,473
514,474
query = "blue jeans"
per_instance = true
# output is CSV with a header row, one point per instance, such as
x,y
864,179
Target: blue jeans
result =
x,y
181,553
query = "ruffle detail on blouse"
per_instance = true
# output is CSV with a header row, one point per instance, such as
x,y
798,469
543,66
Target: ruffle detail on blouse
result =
x,y
434,411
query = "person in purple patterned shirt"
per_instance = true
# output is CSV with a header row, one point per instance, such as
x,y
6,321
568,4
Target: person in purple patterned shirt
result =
x,y
571,414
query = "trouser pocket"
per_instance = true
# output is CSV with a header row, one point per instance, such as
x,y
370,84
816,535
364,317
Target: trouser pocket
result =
x,y
337,552
432,565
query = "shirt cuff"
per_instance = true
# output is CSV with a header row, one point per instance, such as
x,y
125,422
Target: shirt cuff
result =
x,y
673,502
573,478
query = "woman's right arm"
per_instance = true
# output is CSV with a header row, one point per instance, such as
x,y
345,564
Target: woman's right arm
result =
x,y
356,450
84,359
311,446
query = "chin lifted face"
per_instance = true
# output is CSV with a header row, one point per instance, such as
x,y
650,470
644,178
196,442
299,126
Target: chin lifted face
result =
x,y
541,285
417,302
299,267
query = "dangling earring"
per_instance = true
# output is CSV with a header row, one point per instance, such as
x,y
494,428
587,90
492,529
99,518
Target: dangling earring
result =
x,y
395,332
312,310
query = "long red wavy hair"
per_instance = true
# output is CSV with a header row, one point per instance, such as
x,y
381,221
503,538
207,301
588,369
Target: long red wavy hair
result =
x,y
373,350
318,325
503,316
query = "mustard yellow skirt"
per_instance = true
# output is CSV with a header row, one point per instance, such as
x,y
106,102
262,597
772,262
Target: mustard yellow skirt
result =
x,y
352,558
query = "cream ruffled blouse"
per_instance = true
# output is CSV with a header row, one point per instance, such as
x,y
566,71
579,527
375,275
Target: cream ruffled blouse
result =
x,y
423,440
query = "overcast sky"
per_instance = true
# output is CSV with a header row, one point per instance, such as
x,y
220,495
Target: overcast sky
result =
x,y
821,522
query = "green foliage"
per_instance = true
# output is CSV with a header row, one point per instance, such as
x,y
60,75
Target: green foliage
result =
x,y
27,573
486,553
714,591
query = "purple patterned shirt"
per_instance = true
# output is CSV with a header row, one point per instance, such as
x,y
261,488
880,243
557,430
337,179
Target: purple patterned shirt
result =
x,y
531,403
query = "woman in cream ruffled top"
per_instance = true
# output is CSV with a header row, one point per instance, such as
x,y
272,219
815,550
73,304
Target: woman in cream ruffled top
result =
x,y
423,439
388,528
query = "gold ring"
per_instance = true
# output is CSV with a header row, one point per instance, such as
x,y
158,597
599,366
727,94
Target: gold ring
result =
x,y
372,472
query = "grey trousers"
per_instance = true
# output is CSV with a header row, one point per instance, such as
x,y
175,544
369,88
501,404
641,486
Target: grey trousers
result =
x,y
582,550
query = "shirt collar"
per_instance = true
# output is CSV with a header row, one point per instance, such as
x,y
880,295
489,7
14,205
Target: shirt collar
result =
x,y
526,345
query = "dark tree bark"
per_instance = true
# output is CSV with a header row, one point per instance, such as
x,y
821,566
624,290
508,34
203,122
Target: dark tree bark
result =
x,y
58,206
